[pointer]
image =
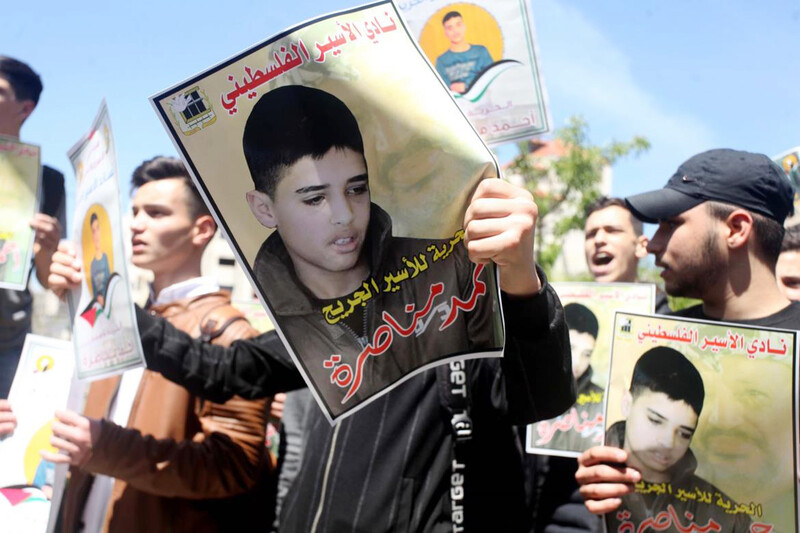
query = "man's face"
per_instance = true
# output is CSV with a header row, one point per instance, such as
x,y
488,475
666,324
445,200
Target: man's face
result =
x,y
582,345
162,228
454,30
321,210
788,273
95,224
13,112
688,248
658,432
612,247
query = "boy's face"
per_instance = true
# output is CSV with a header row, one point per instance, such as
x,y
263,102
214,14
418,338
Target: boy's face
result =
x,y
658,432
454,29
13,112
321,209
96,233
582,345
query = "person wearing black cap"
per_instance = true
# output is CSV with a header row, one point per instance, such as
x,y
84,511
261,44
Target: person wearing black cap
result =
x,y
720,226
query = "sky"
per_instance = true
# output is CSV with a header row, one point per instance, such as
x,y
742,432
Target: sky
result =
x,y
688,75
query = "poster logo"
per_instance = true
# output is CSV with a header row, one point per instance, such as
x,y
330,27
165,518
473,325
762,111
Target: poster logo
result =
x,y
192,110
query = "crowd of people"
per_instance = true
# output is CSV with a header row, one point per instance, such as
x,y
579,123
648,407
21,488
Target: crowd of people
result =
x,y
180,446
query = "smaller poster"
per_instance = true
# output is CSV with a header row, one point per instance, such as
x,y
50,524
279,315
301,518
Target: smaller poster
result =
x,y
104,323
589,309
20,179
41,385
706,412
485,52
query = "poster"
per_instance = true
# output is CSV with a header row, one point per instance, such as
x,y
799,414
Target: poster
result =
x,y
589,308
104,324
20,179
706,412
41,385
338,133
789,161
485,52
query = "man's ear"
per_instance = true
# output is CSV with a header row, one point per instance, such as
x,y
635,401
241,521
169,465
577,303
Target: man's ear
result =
x,y
739,228
261,206
203,230
641,246
627,401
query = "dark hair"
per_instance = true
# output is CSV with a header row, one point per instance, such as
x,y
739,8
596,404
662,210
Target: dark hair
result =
x,y
26,83
159,168
92,219
791,239
666,370
293,122
450,15
605,201
580,318
768,232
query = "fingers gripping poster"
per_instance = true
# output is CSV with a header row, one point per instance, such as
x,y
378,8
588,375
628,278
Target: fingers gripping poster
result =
x,y
485,52
104,324
706,412
340,168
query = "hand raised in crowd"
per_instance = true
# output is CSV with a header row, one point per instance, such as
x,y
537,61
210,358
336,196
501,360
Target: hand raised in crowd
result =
x,y
276,407
604,478
65,269
74,435
499,226
47,232
7,419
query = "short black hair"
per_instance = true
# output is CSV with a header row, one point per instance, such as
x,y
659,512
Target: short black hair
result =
x,y
606,201
161,167
580,318
667,370
450,15
93,218
26,83
293,122
791,239
768,232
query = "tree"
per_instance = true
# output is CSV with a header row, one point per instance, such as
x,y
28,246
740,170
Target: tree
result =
x,y
565,188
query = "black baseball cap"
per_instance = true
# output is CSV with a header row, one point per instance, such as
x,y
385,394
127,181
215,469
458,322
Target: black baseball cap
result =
x,y
748,180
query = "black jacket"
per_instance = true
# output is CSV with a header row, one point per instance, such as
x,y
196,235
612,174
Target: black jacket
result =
x,y
390,466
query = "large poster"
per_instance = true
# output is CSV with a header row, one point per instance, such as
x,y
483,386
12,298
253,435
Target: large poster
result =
x,y
104,324
706,412
41,385
485,52
340,169
589,310
20,179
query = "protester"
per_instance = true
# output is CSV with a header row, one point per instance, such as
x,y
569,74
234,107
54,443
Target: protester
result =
x,y
398,462
720,226
146,454
20,88
787,271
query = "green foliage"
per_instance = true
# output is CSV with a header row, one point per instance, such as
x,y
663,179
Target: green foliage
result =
x,y
579,173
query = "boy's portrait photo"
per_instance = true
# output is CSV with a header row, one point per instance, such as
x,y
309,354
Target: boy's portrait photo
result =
x,y
342,186
98,259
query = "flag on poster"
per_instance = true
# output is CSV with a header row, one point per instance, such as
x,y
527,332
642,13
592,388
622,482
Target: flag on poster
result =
x,y
104,323
41,385
706,412
485,52
20,180
338,133
589,310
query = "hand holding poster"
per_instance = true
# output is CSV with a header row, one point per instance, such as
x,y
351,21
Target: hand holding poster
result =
x,y
338,136
589,310
104,325
20,179
41,385
706,413
485,52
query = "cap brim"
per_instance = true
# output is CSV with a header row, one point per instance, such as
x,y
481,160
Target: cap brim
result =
x,y
661,204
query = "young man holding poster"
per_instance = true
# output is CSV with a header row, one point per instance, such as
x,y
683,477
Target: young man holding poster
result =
x,y
722,213
20,88
147,454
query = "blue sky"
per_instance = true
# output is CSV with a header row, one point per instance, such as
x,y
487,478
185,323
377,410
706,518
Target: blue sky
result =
x,y
687,75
